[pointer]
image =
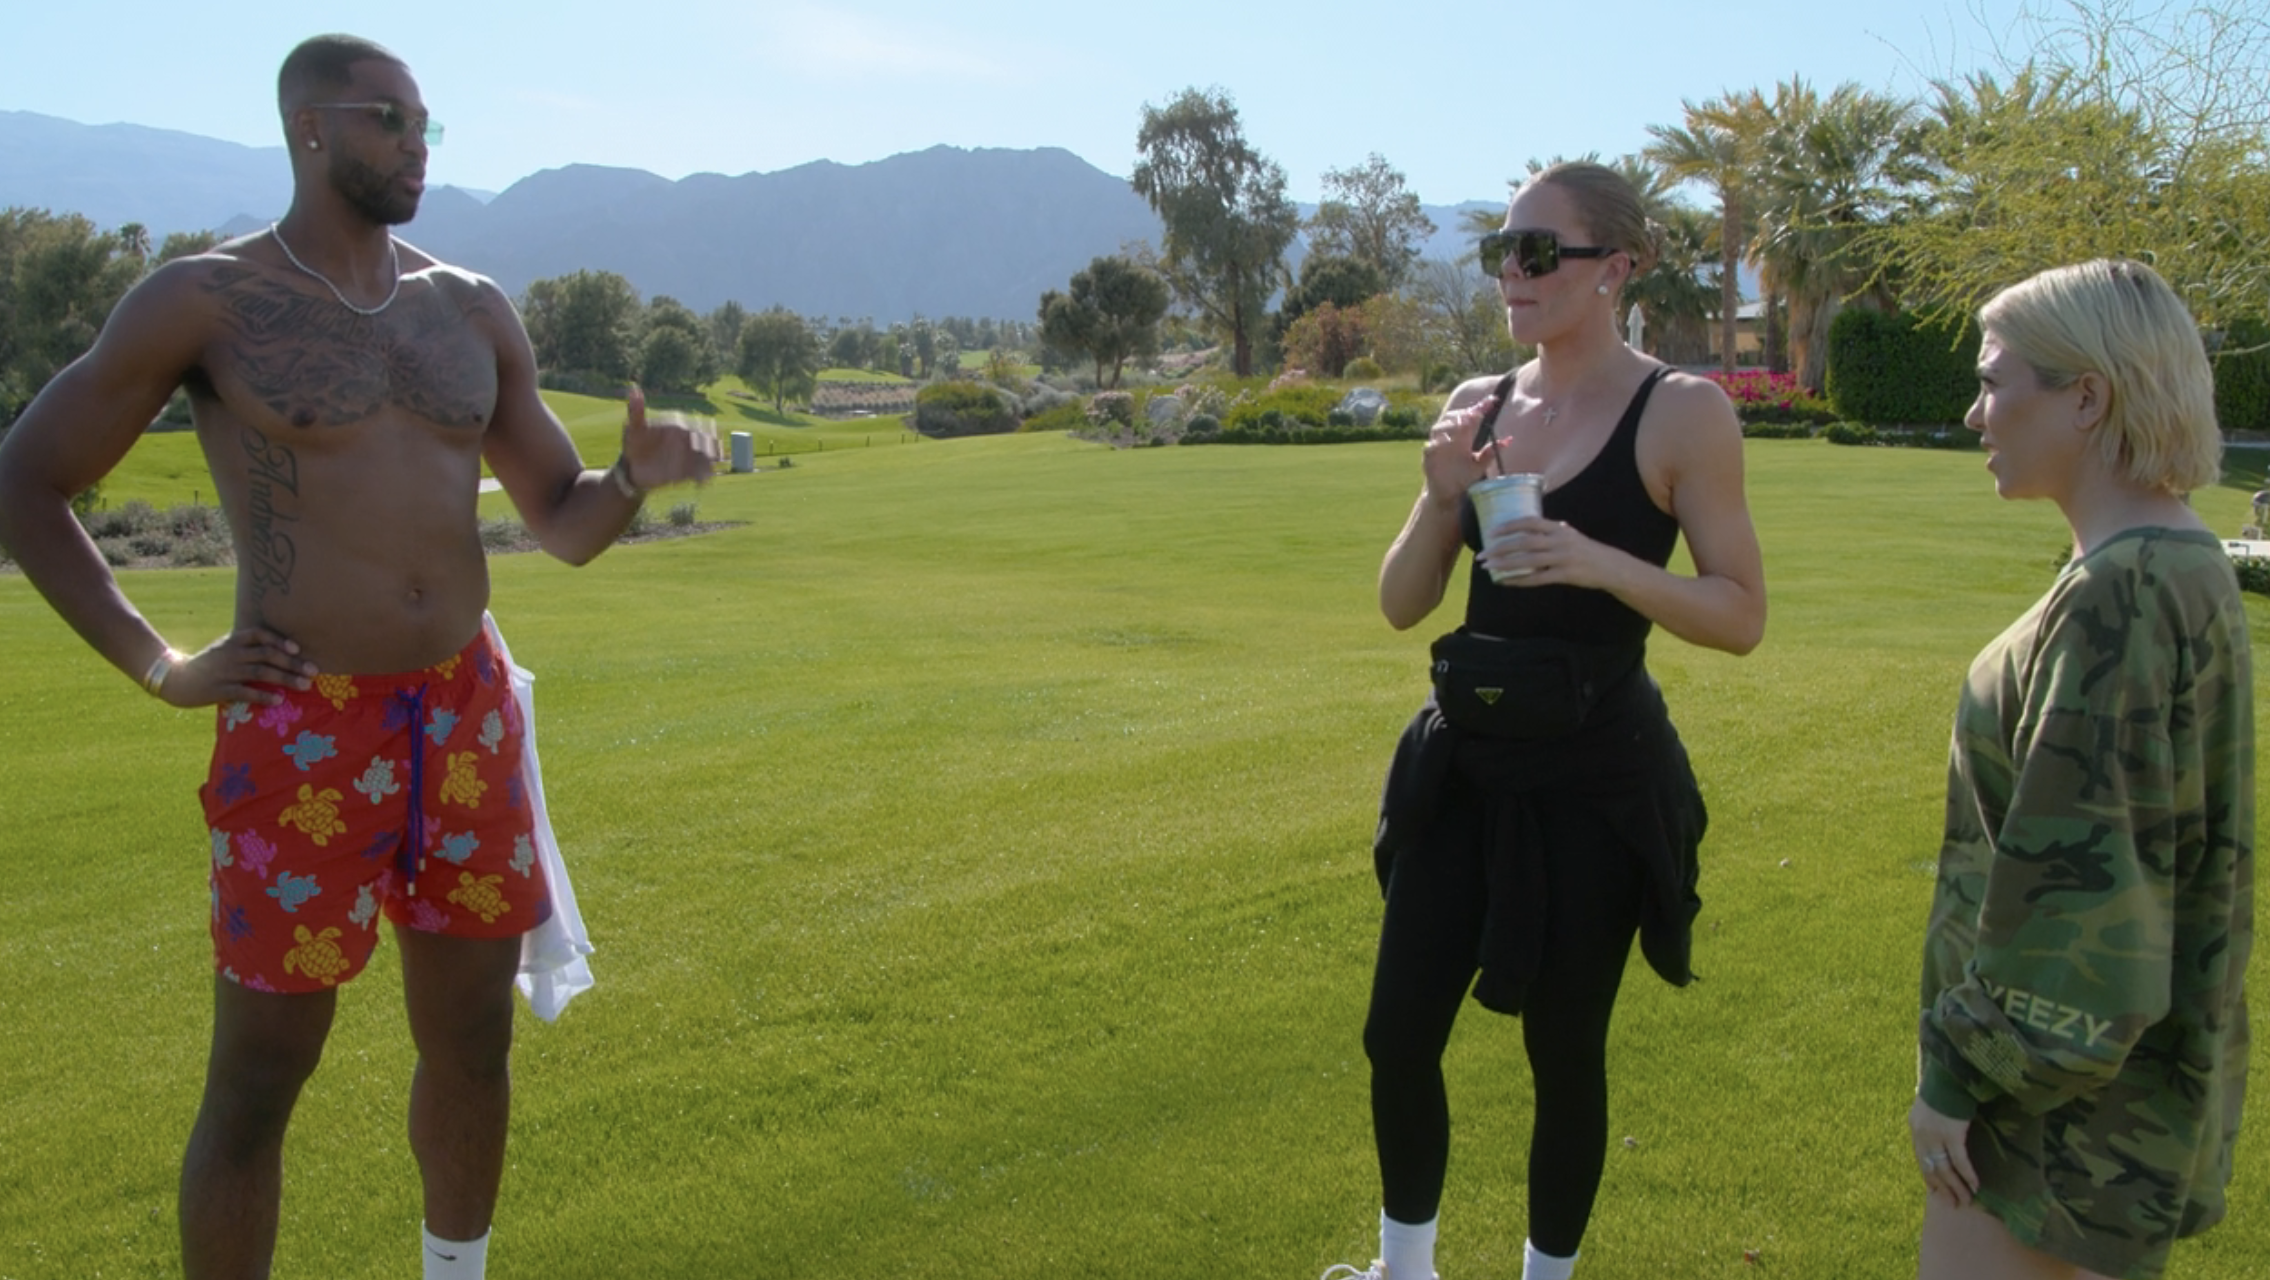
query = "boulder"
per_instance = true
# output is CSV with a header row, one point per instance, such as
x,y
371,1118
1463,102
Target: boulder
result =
x,y
1363,404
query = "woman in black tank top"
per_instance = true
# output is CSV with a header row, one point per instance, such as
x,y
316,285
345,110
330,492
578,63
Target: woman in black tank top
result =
x,y
1528,849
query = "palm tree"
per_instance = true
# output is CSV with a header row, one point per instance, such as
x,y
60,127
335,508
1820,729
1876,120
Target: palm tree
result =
x,y
1717,147
1832,169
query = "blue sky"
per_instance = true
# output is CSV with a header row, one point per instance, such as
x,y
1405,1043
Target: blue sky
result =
x,y
1457,96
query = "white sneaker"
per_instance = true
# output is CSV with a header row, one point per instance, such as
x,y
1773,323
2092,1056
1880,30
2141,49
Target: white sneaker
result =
x,y
1377,1271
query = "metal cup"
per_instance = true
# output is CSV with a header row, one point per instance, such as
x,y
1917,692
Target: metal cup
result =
x,y
1499,499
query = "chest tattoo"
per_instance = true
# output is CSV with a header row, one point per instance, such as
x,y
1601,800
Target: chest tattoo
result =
x,y
313,363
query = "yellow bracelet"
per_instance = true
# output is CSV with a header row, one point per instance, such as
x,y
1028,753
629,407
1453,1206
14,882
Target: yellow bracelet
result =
x,y
154,680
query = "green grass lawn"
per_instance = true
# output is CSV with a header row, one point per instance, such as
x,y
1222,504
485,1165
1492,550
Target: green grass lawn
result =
x,y
977,844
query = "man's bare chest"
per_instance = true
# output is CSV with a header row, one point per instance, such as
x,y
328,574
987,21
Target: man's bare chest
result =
x,y
303,361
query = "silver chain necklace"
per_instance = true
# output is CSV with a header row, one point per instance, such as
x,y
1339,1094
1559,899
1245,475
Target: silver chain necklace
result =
x,y
393,260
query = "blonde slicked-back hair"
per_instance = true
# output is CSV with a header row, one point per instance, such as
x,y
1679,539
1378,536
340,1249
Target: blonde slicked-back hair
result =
x,y
2119,320
1608,206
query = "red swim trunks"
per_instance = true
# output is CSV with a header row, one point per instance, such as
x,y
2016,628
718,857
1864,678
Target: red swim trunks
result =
x,y
401,791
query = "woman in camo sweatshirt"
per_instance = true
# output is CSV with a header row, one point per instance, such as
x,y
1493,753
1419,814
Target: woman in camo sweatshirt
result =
x,y
2083,1037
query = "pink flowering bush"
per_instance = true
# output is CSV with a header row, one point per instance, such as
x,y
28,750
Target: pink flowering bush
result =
x,y
1759,396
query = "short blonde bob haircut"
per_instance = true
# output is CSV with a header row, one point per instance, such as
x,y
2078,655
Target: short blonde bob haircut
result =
x,y
2119,320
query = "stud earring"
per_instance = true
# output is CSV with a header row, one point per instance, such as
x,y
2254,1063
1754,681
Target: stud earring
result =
x,y
1600,289
313,145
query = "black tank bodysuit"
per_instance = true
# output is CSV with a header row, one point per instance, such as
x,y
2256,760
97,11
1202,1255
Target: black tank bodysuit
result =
x,y
1607,502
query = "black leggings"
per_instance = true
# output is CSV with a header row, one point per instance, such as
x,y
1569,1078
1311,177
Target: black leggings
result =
x,y
1428,954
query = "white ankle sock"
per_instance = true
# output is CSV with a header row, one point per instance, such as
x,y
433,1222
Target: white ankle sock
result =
x,y
1407,1248
455,1259
1536,1264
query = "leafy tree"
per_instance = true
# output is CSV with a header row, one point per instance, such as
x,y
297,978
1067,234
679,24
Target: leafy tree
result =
x,y
1339,279
187,244
896,353
674,351
1465,314
779,355
1111,311
1369,214
1396,332
670,359
725,327
850,346
2121,134
925,340
1325,340
586,321
59,278
1227,219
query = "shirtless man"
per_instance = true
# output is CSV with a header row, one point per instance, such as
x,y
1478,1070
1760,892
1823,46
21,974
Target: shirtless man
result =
x,y
346,391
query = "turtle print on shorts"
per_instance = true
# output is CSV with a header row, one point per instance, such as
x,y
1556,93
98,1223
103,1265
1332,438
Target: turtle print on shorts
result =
x,y
394,794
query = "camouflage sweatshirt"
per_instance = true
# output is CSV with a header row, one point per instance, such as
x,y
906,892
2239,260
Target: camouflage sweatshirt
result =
x,y
2084,969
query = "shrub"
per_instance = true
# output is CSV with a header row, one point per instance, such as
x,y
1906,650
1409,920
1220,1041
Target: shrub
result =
x,y
1071,415
1776,430
1112,407
503,535
204,549
124,522
1892,368
1761,397
1849,433
962,408
1201,424
1043,397
682,516
1299,401
1399,417
2242,377
1363,367
2253,575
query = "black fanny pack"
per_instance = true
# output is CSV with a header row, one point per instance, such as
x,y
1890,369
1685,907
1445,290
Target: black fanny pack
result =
x,y
1522,688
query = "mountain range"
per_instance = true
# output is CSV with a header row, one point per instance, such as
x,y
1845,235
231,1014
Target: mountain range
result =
x,y
946,231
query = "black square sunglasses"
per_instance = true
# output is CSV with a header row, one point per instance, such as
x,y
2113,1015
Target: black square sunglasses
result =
x,y
1537,253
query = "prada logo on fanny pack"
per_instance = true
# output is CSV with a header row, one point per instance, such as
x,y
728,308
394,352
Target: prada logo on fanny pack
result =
x,y
1489,697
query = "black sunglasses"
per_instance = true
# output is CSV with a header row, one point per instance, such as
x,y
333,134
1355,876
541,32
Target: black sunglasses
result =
x,y
1537,253
390,118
